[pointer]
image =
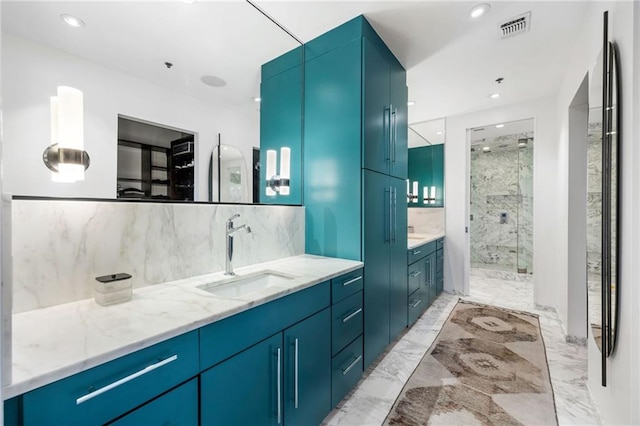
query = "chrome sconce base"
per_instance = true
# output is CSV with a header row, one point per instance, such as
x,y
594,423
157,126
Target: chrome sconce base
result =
x,y
276,183
53,155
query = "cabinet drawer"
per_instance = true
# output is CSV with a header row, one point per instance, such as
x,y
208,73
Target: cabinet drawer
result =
x,y
105,392
419,252
177,407
417,303
346,285
346,370
440,243
346,323
415,277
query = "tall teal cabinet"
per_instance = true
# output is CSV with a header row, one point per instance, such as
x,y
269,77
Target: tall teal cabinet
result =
x,y
281,122
355,157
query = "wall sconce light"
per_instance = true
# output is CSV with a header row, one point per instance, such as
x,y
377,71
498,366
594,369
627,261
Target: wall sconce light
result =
x,y
412,196
66,157
429,196
278,183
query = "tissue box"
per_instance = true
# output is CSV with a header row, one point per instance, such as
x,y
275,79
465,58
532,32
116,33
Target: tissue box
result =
x,y
114,288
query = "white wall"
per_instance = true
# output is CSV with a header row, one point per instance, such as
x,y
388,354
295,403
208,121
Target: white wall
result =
x,y
618,402
31,72
546,261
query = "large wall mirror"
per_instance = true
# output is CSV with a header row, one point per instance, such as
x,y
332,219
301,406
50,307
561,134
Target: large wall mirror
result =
x,y
603,200
425,186
164,84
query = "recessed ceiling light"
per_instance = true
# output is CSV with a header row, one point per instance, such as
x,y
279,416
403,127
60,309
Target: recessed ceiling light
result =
x,y
499,126
479,10
494,95
72,20
213,81
257,99
411,103
486,149
439,133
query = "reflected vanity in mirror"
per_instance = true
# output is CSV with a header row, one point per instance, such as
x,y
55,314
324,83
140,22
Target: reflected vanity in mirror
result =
x,y
229,177
194,68
425,186
603,200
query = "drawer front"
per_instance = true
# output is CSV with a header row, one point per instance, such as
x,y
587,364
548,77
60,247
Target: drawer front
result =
x,y
439,260
415,276
419,252
346,323
105,392
346,285
417,303
225,338
177,407
346,370
440,243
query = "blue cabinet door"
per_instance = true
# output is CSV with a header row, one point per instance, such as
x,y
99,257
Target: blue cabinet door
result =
x,y
377,109
307,366
398,259
246,389
399,121
377,236
178,407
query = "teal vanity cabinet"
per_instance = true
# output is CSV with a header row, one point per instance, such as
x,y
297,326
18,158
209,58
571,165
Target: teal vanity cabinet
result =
x,y
269,365
106,392
424,277
439,265
426,166
355,156
281,121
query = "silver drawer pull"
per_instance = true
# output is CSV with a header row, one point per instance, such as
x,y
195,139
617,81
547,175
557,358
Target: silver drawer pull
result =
x,y
348,317
351,281
415,274
417,251
415,305
125,380
353,364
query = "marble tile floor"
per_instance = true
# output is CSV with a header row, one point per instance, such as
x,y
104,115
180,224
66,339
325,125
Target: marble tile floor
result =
x,y
370,402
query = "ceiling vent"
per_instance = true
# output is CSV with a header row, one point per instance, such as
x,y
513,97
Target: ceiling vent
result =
x,y
514,26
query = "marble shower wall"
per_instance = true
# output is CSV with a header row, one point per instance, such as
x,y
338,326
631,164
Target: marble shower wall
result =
x,y
594,201
502,182
426,220
60,246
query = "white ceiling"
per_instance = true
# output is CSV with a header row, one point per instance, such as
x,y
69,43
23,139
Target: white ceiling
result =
x,y
452,60
425,133
490,132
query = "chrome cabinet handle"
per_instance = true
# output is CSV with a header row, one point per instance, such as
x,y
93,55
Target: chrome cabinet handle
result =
x,y
417,251
278,387
395,214
295,375
389,135
124,380
394,133
415,305
415,274
351,315
353,364
389,212
351,281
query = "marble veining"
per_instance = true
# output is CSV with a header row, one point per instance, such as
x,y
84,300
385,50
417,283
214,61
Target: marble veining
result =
x,y
59,246
427,220
55,342
370,402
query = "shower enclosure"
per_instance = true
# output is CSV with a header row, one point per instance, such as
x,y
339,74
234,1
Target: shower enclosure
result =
x,y
502,197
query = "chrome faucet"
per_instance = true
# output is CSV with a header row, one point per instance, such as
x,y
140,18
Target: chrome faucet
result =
x,y
228,268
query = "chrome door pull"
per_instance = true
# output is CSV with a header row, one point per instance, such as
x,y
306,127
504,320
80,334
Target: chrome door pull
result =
x,y
278,386
353,364
351,281
415,305
417,251
394,133
124,380
295,374
415,274
351,315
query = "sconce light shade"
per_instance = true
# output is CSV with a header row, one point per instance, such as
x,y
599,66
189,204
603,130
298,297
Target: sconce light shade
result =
x,y
433,195
414,193
278,183
66,157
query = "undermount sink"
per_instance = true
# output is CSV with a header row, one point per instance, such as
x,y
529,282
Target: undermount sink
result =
x,y
241,285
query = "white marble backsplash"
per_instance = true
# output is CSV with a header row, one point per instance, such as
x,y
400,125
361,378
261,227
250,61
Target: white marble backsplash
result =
x,y
60,246
426,220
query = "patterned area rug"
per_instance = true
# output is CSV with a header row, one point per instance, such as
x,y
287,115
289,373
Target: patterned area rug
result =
x,y
487,367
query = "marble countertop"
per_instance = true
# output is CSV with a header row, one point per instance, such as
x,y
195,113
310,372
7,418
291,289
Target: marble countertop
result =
x,y
415,239
53,343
